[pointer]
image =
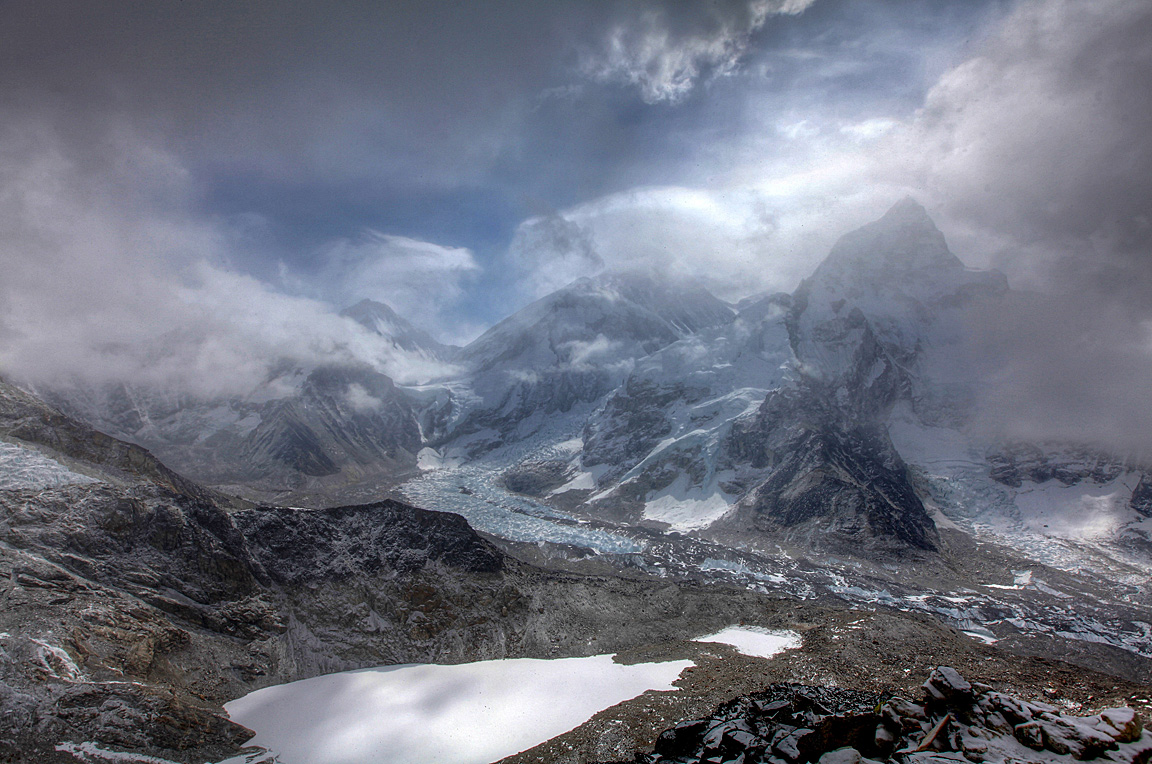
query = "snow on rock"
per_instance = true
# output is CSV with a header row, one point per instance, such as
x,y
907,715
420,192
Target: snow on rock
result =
x,y
754,640
23,468
957,721
1082,511
687,508
472,713
429,459
92,753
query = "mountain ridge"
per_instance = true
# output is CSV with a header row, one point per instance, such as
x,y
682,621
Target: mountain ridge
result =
x,y
651,402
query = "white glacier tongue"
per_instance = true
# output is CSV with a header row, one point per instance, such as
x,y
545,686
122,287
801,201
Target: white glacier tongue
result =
x,y
471,492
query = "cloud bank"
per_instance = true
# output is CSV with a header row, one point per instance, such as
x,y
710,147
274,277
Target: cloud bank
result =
x,y
111,276
1030,148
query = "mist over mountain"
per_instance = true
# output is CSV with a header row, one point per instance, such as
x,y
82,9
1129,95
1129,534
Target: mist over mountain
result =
x,y
633,338
812,419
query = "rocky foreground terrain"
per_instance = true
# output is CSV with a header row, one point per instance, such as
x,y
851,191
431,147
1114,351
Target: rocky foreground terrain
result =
x,y
954,721
133,603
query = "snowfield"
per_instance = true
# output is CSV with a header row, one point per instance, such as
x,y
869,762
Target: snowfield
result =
x,y
754,641
472,713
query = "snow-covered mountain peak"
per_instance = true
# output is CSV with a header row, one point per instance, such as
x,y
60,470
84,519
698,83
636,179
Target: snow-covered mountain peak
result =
x,y
634,313
903,241
900,275
379,318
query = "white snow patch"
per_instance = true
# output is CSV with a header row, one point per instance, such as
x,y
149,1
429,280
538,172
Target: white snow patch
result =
x,y
92,752
429,459
1082,511
984,635
686,508
473,713
754,640
23,468
583,481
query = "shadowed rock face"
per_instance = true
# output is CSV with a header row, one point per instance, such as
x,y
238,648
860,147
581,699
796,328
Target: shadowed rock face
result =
x,y
343,416
832,482
833,479
295,546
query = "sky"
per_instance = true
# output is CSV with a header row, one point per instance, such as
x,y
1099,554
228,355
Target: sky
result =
x,y
190,188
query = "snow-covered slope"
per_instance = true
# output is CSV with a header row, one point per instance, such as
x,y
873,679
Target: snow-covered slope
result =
x,y
838,416
379,318
573,347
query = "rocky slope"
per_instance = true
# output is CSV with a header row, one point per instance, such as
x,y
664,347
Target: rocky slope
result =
x,y
134,603
954,721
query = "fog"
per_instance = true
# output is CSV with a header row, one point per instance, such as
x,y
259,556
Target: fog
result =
x,y
167,182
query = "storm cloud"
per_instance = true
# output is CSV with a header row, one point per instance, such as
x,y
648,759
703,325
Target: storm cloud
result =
x,y
189,189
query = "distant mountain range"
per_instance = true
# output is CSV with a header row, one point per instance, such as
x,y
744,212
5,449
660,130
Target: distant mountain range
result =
x,y
837,417
636,463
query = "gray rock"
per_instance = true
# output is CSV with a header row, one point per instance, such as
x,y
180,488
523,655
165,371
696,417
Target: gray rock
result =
x,y
1122,724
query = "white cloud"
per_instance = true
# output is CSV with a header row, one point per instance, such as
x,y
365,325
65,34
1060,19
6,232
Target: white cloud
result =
x,y
738,242
110,276
418,279
664,60
869,129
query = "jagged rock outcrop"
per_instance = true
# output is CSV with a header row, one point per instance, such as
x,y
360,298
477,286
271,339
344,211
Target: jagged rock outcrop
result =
x,y
832,483
956,721
1016,462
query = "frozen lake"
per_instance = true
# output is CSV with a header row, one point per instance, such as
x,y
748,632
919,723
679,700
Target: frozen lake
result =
x,y
472,713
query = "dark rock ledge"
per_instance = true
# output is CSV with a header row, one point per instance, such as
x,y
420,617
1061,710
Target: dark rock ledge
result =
x,y
954,723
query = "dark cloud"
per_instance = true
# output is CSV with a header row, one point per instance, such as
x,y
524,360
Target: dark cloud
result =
x,y
313,90
161,155
1042,139
417,93
1037,150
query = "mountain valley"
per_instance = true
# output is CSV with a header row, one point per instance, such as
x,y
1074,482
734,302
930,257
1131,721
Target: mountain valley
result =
x,y
620,467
